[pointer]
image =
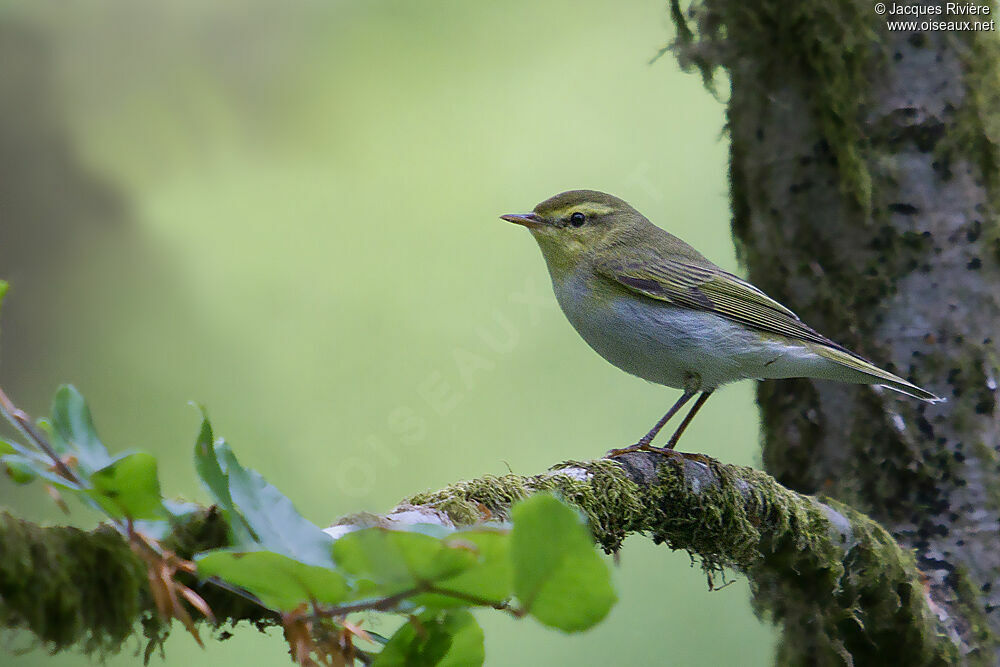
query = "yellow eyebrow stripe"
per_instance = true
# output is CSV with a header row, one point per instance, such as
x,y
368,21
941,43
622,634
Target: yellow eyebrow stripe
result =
x,y
589,208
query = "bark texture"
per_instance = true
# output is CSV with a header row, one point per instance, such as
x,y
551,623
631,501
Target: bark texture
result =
x,y
864,170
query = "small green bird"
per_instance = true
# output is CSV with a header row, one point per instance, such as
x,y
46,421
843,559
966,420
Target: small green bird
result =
x,y
657,308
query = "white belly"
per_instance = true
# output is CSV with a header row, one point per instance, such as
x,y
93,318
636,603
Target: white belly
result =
x,y
668,345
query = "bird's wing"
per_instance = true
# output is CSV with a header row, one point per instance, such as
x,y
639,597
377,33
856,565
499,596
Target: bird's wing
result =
x,y
712,290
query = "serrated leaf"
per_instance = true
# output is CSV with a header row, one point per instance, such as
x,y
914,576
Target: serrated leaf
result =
x,y
129,487
271,517
558,575
396,560
279,582
73,430
488,579
453,639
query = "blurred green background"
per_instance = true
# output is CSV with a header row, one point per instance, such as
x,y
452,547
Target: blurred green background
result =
x,y
288,211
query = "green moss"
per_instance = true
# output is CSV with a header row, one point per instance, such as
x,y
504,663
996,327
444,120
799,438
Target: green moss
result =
x,y
202,530
969,605
611,501
854,591
608,498
467,503
69,587
975,134
849,602
834,47
733,521
74,588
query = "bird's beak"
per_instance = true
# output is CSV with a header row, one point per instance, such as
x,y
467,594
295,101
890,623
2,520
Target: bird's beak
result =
x,y
526,219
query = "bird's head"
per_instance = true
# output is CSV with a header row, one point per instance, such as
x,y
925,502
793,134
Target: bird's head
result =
x,y
572,224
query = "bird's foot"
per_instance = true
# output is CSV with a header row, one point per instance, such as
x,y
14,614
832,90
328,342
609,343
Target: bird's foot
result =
x,y
637,447
690,456
664,451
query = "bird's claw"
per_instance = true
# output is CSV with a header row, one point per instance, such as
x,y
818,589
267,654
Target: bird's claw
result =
x,y
638,447
641,447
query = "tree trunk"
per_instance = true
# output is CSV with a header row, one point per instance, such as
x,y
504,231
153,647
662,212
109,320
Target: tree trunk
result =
x,y
864,174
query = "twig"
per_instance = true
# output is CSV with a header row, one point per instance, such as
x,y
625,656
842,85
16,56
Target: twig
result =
x,y
379,604
502,605
22,422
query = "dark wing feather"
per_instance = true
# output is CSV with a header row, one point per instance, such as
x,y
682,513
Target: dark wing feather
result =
x,y
710,289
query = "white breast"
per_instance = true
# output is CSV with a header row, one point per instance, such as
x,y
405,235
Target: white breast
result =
x,y
667,344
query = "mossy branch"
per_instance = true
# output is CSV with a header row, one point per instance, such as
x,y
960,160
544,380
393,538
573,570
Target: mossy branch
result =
x,y
71,587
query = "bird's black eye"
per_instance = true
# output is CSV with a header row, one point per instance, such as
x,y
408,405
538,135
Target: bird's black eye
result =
x,y
577,219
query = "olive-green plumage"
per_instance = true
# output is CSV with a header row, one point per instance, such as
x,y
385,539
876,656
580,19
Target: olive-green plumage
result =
x,y
654,306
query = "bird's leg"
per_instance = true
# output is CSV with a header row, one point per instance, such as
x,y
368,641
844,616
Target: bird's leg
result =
x,y
687,420
643,443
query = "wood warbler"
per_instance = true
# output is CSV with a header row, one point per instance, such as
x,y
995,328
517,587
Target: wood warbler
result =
x,y
657,308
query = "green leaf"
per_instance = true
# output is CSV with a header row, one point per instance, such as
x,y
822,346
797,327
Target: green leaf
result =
x,y
396,560
129,487
279,582
73,429
488,579
20,469
206,463
271,517
10,446
24,469
453,639
558,575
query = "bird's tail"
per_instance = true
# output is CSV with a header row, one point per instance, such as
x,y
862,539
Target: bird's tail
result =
x,y
868,373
